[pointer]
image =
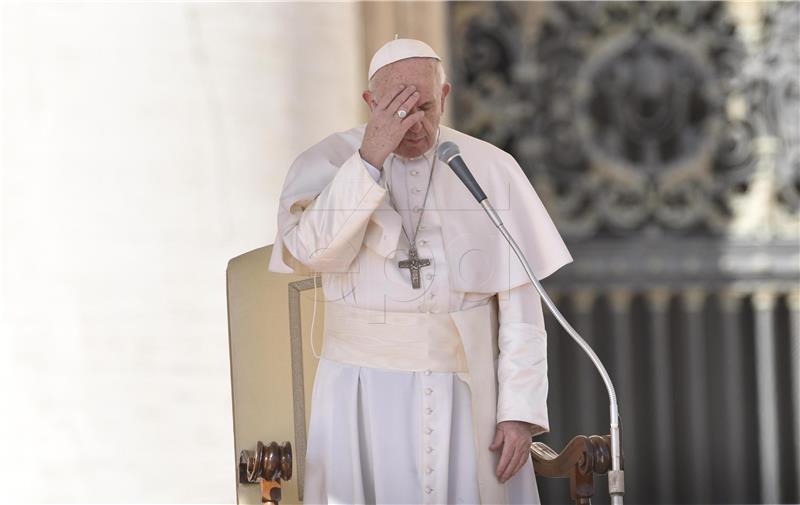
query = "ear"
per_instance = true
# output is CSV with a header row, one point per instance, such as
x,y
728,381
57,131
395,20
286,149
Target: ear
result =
x,y
445,92
368,99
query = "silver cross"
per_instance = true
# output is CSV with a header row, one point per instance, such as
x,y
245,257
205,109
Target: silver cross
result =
x,y
414,263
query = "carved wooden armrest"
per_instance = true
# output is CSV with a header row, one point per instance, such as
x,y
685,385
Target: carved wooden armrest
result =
x,y
580,460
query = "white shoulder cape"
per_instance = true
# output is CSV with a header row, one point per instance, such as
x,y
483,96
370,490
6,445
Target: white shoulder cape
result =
x,y
478,257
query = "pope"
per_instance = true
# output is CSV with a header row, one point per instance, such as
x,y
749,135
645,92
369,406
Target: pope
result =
x,y
433,373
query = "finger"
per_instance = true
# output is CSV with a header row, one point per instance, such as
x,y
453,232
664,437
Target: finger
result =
x,y
411,120
400,98
410,102
391,95
512,460
505,459
523,458
503,474
498,440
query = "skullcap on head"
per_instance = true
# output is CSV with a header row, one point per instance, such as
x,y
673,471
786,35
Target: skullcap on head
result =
x,y
400,49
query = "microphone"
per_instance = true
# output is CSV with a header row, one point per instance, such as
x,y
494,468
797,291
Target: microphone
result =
x,y
451,154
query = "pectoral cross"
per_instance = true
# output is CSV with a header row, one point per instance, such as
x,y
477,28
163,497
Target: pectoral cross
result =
x,y
414,263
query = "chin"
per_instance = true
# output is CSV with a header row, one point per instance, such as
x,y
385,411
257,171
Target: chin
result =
x,y
412,150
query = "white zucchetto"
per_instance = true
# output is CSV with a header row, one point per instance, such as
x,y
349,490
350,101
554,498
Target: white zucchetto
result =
x,y
400,49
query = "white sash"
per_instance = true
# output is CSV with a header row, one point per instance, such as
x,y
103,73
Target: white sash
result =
x,y
463,342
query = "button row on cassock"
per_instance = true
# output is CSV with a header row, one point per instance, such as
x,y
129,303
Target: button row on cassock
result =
x,y
428,431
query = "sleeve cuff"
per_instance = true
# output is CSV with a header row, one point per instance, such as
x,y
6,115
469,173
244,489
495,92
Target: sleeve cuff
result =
x,y
539,423
374,172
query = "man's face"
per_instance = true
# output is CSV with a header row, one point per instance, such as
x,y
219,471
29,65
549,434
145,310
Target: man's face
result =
x,y
420,72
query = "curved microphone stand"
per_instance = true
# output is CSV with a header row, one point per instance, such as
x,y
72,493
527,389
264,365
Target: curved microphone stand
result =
x,y
450,154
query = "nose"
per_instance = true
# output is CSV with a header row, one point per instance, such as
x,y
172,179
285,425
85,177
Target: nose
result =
x,y
416,127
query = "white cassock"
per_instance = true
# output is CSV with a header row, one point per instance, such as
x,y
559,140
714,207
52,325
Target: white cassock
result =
x,y
395,432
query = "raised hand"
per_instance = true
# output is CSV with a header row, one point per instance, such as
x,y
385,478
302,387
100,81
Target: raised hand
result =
x,y
385,128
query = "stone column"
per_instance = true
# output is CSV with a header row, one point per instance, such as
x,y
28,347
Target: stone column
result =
x,y
793,301
549,490
622,373
733,383
587,377
766,383
556,343
664,403
697,437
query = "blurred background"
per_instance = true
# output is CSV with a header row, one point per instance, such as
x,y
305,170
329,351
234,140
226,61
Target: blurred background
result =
x,y
142,145
664,139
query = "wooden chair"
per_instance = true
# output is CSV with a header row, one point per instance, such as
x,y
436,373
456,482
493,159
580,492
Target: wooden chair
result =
x,y
271,377
581,459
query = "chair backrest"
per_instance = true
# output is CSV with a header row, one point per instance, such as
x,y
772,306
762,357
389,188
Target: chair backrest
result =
x,y
264,382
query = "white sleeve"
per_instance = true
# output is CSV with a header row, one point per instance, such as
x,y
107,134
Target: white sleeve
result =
x,y
374,172
522,363
330,231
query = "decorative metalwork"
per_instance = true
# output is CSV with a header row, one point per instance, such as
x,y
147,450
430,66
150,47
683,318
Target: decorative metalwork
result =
x,y
631,117
773,92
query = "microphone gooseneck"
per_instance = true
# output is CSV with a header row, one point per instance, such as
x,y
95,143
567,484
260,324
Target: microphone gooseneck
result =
x,y
451,154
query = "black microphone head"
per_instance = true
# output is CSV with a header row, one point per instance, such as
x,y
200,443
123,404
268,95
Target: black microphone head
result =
x,y
447,150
